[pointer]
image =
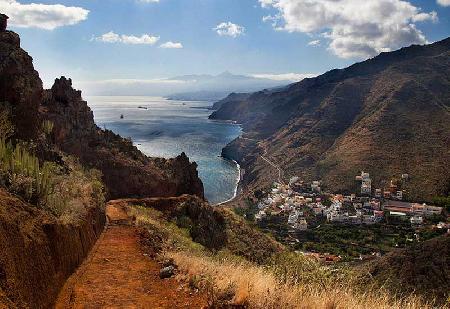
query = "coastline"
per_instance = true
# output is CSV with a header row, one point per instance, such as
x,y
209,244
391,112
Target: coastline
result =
x,y
238,183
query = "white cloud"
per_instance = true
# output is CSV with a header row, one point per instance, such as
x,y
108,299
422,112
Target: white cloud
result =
x,y
172,45
354,28
137,81
43,16
293,77
112,37
229,29
314,43
444,2
148,1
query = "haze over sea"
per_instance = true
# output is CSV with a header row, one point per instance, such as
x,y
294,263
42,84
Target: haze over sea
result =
x,y
165,128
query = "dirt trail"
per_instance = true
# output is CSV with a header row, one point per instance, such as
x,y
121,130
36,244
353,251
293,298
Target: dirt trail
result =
x,y
117,274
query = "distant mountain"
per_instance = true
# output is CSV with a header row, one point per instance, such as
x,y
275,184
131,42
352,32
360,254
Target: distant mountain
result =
x,y
189,87
210,96
216,87
388,115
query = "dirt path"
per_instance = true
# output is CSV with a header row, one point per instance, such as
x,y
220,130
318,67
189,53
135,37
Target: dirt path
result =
x,y
117,274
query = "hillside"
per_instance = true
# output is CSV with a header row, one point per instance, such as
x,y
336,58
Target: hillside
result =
x,y
388,115
423,267
161,245
56,169
75,133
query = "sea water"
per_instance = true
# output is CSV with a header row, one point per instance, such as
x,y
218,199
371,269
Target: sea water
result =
x,y
165,128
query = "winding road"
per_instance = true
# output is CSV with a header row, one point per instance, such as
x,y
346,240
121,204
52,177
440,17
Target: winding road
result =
x,y
278,168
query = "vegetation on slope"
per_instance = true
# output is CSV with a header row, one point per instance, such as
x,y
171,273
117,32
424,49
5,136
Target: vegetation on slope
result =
x,y
285,280
63,190
423,267
387,116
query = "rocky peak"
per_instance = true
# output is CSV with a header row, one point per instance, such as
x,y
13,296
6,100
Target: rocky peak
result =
x,y
63,91
3,22
72,117
20,85
8,37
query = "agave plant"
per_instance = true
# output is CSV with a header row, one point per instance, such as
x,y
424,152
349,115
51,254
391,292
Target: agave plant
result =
x,y
20,165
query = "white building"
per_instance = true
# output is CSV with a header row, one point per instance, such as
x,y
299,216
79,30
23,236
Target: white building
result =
x,y
416,220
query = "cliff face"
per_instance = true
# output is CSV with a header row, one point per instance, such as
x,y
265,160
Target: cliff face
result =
x,y
38,253
387,116
127,172
76,133
20,85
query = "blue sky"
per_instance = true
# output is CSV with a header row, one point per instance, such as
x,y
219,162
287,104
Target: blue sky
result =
x,y
256,36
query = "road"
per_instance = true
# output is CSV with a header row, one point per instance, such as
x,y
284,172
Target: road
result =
x,y
275,166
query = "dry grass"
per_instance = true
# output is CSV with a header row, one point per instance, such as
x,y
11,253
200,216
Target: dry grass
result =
x,y
287,281
74,192
230,282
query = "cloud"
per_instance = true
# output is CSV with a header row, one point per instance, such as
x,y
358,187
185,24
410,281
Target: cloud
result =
x,y
314,43
112,37
354,28
43,16
125,82
229,29
293,77
171,45
148,1
444,2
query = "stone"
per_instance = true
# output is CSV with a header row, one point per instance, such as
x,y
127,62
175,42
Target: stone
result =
x,y
169,262
167,272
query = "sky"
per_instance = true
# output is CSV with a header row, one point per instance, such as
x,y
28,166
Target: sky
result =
x,y
123,41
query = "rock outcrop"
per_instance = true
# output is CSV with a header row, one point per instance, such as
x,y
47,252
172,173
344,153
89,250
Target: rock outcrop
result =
x,y
3,22
38,253
127,172
20,86
216,228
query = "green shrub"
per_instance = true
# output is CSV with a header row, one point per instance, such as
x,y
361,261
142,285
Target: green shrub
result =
x,y
47,127
65,192
75,191
6,126
27,177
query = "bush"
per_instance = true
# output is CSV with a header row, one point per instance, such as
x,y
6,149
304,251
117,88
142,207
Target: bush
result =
x,y
6,126
47,127
25,175
75,191
66,192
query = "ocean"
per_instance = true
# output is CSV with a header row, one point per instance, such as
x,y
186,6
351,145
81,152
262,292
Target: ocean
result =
x,y
165,128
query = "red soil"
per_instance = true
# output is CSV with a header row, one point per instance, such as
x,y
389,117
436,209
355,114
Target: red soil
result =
x,y
117,274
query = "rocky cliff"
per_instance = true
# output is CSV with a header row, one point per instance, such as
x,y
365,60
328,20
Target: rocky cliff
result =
x,y
20,85
127,172
39,247
388,115
75,132
38,252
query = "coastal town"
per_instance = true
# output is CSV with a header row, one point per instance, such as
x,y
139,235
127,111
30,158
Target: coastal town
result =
x,y
298,198
303,208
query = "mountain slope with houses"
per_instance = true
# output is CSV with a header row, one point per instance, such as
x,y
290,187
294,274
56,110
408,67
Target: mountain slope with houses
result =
x,y
388,116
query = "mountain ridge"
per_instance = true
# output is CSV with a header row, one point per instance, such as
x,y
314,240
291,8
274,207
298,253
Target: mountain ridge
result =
x,y
346,120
